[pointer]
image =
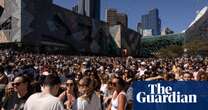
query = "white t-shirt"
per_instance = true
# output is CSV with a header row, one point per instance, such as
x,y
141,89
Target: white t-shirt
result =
x,y
104,89
40,101
83,104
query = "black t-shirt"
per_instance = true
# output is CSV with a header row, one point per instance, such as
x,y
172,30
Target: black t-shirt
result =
x,y
14,102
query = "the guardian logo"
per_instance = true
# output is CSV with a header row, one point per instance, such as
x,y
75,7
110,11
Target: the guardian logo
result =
x,y
161,94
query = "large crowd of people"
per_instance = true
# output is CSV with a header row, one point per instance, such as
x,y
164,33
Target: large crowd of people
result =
x,y
31,81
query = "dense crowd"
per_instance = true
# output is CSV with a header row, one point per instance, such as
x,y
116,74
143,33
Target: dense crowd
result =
x,y
31,81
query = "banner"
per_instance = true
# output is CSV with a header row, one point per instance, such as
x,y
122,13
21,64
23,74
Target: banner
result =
x,y
173,95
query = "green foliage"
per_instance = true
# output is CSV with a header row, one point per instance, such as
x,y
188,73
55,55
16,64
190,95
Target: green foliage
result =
x,y
150,46
196,47
171,51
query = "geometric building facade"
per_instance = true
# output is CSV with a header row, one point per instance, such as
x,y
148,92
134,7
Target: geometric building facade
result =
x,y
43,25
198,29
10,21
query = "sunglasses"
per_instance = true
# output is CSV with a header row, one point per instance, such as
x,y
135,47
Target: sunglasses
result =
x,y
113,84
82,85
69,84
16,83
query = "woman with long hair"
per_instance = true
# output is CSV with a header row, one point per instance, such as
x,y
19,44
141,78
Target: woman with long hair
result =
x,y
69,95
8,93
88,100
119,99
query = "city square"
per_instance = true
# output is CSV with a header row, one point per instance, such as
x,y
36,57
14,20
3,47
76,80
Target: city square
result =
x,y
90,54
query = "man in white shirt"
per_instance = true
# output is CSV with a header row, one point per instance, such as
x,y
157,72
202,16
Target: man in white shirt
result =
x,y
46,100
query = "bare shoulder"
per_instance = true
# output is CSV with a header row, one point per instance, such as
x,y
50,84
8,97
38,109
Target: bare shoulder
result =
x,y
122,97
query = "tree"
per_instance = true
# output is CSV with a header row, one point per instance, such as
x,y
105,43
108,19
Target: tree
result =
x,y
171,51
196,47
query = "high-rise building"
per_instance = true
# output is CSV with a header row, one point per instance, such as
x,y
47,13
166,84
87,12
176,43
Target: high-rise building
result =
x,y
140,28
89,8
122,18
81,7
114,17
147,32
75,8
111,16
152,21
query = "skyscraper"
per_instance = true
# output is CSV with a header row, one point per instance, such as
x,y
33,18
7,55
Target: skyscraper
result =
x,y
140,28
111,16
152,21
89,8
114,17
122,18
75,8
81,7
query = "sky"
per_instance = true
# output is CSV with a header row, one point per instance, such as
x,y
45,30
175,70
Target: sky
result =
x,y
175,14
